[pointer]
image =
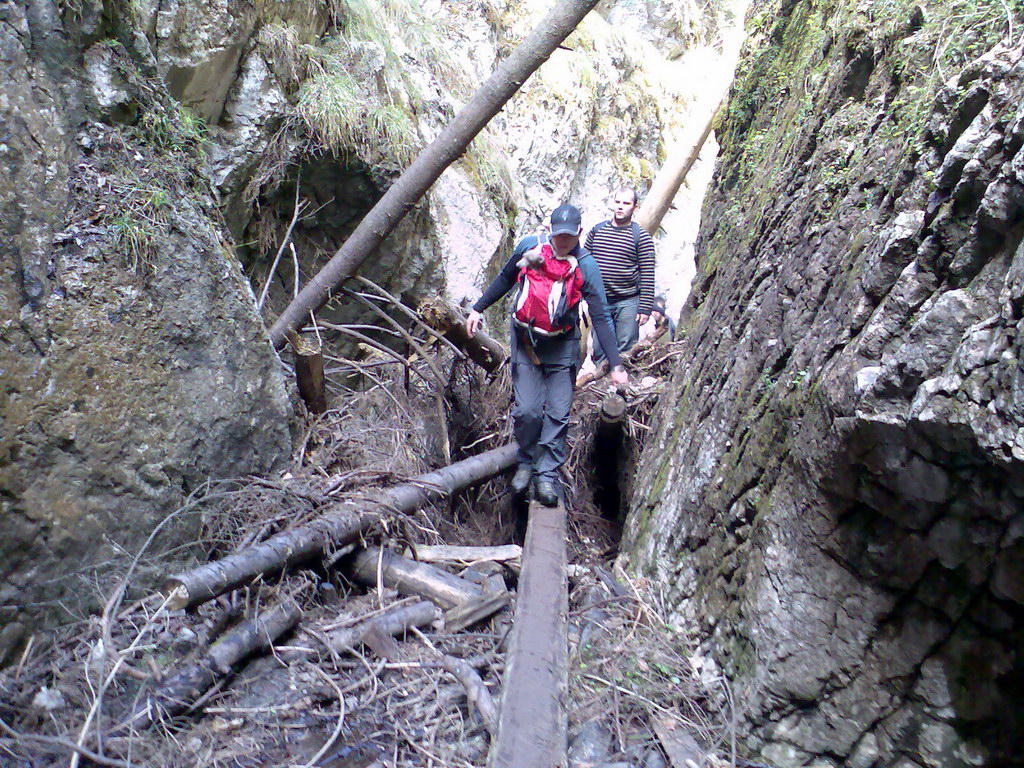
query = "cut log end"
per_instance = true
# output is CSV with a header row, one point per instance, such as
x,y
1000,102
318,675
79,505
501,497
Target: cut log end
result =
x,y
613,409
177,593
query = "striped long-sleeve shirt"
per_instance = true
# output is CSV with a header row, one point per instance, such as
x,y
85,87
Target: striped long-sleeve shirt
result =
x,y
626,269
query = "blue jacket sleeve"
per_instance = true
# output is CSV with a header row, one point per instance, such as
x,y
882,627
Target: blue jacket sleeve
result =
x,y
506,278
593,292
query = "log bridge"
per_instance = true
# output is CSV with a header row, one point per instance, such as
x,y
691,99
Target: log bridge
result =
x,y
533,723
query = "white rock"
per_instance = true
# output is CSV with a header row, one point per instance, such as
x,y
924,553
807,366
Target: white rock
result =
x,y
48,699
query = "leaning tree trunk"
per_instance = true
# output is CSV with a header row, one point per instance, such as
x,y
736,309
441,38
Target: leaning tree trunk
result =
x,y
337,527
671,176
431,162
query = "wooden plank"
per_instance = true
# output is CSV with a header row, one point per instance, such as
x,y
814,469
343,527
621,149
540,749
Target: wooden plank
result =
x,y
532,725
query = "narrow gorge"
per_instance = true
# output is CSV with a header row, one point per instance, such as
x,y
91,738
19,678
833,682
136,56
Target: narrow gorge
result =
x,y
799,542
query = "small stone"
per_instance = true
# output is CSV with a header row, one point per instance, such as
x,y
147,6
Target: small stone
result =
x,y
1008,579
784,755
933,685
972,753
937,742
865,378
48,699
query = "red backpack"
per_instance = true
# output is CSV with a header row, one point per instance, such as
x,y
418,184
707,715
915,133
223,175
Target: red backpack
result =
x,y
550,289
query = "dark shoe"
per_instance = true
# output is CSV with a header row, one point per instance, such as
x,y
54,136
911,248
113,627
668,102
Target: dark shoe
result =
x,y
521,479
545,492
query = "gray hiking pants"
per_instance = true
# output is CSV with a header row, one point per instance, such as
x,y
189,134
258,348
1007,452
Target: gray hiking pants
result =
x,y
540,418
627,331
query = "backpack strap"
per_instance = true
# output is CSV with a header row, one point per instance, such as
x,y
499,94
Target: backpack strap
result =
x,y
636,237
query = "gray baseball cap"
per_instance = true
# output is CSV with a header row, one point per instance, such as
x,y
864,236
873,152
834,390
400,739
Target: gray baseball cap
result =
x,y
566,220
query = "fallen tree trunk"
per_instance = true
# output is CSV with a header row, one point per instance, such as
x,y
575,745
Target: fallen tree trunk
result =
x,y
671,176
480,348
285,549
392,623
450,144
340,526
412,578
176,694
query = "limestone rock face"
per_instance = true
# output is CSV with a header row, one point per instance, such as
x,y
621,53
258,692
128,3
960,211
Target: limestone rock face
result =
x,y
134,365
833,487
594,116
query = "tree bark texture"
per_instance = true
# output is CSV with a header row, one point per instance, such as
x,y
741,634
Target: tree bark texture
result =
x,y
412,578
671,176
481,348
450,144
175,695
341,525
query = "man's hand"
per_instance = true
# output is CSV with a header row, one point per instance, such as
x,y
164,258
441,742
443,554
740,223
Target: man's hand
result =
x,y
641,319
619,377
473,322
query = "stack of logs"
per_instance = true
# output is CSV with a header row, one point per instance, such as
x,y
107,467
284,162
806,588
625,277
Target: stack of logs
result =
x,y
454,601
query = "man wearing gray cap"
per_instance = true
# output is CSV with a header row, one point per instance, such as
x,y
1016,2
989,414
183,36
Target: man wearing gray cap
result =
x,y
545,360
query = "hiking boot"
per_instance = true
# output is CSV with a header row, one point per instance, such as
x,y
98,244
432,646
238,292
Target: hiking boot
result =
x,y
545,492
521,479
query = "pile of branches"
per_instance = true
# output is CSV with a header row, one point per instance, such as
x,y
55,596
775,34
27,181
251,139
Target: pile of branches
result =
x,y
144,683
637,694
80,695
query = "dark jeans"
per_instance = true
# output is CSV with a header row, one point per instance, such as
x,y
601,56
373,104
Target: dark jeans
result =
x,y
540,418
627,331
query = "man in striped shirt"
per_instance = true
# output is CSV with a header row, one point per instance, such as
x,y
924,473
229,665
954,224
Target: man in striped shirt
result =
x,y
625,255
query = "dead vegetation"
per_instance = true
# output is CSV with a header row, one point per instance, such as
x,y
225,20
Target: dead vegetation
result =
x,y
318,679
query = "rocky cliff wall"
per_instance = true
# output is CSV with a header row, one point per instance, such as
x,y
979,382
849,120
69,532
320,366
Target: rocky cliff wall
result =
x,y
336,104
833,487
157,151
134,364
